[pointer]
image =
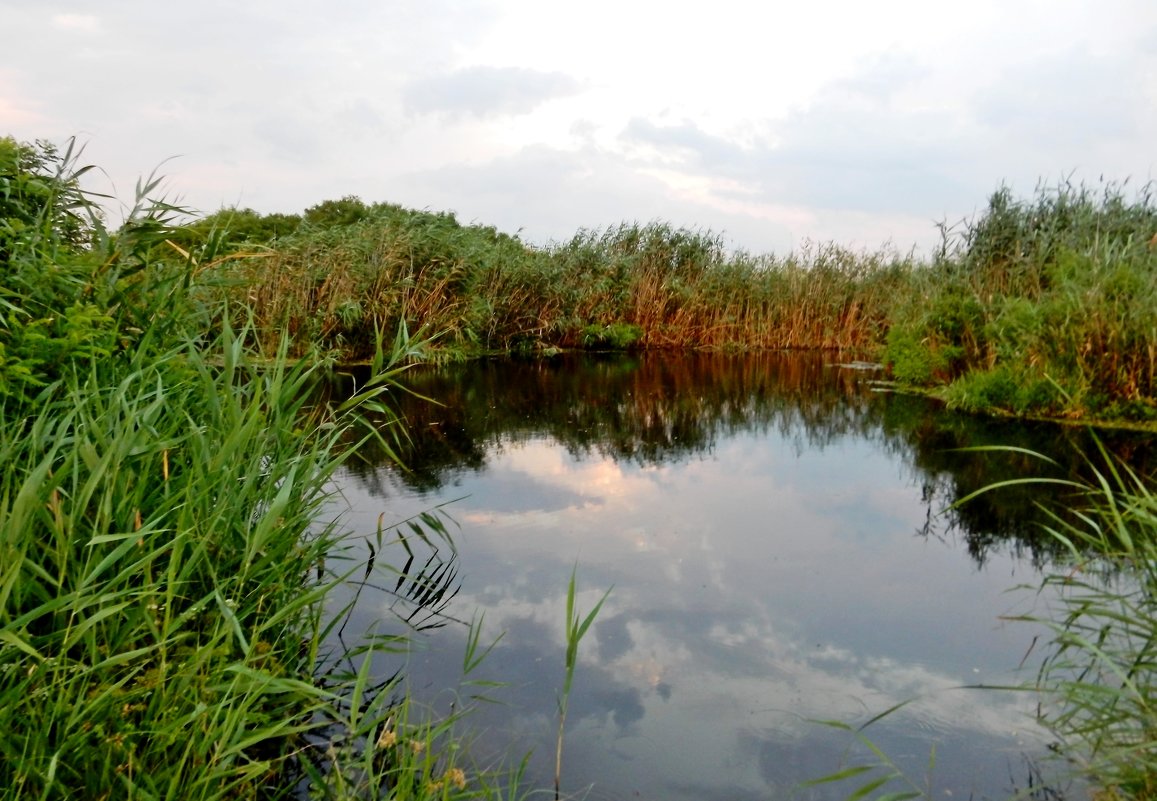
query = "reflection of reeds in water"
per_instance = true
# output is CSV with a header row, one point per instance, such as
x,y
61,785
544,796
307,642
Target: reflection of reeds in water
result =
x,y
646,407
655,407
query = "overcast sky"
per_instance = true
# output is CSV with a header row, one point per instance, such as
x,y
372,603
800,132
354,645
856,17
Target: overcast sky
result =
x,y
769,122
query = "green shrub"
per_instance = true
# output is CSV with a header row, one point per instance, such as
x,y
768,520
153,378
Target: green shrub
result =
x,y
615,336
1006,389
913,357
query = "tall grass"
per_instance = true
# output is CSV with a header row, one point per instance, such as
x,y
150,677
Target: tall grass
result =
x,y
165,576
683,289
631,286
153,581
332,287
577,626
1035,307
1099,677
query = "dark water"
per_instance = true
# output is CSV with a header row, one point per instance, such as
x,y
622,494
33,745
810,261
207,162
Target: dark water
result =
x,y
777,540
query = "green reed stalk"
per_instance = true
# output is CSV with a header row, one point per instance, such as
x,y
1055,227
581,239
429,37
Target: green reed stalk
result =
x,y
880,773
576,628
1101,675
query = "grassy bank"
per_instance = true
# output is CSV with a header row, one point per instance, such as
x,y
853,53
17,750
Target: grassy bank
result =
x,y
1038,307
164,570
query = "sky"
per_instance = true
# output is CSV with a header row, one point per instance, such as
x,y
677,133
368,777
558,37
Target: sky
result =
x,y
769,123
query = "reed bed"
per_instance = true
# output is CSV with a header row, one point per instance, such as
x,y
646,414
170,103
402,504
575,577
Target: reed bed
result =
x,y
166,577
633,286
1035,307
1041,306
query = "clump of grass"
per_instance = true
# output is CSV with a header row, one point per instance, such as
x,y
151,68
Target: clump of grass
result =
x,y
164,574
1098,679
1009,388
1056,290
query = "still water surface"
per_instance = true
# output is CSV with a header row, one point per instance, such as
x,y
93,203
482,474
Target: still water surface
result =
x,y
776,538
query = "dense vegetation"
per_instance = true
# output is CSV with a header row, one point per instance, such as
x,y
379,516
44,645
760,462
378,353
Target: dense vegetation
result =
x,y
164,577
1038,307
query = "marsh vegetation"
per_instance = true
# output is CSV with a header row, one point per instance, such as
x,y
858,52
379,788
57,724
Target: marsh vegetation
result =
x,y
178,605
1038,307
164,574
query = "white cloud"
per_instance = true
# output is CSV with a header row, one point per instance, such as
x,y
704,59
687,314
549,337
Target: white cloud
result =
x,y
86,23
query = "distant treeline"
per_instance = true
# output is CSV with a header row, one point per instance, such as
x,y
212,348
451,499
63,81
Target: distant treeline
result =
x,y
1045,306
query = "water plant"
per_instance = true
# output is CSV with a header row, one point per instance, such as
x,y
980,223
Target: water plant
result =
x,y
1098,680
876,770
576,628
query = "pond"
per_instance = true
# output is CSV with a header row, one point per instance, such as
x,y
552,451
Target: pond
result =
x,y
779,546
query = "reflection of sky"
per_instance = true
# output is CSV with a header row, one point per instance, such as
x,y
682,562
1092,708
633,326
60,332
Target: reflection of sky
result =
x,y
753,590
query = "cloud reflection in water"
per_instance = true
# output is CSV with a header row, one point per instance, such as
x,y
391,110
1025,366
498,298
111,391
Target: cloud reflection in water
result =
x,y
756,588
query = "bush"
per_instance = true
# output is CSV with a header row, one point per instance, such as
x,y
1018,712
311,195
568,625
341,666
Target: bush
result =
x,y
913,357
1005,389
615,336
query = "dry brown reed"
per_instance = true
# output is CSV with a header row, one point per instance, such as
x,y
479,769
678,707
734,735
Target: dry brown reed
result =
x,y
1043,306
333,288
